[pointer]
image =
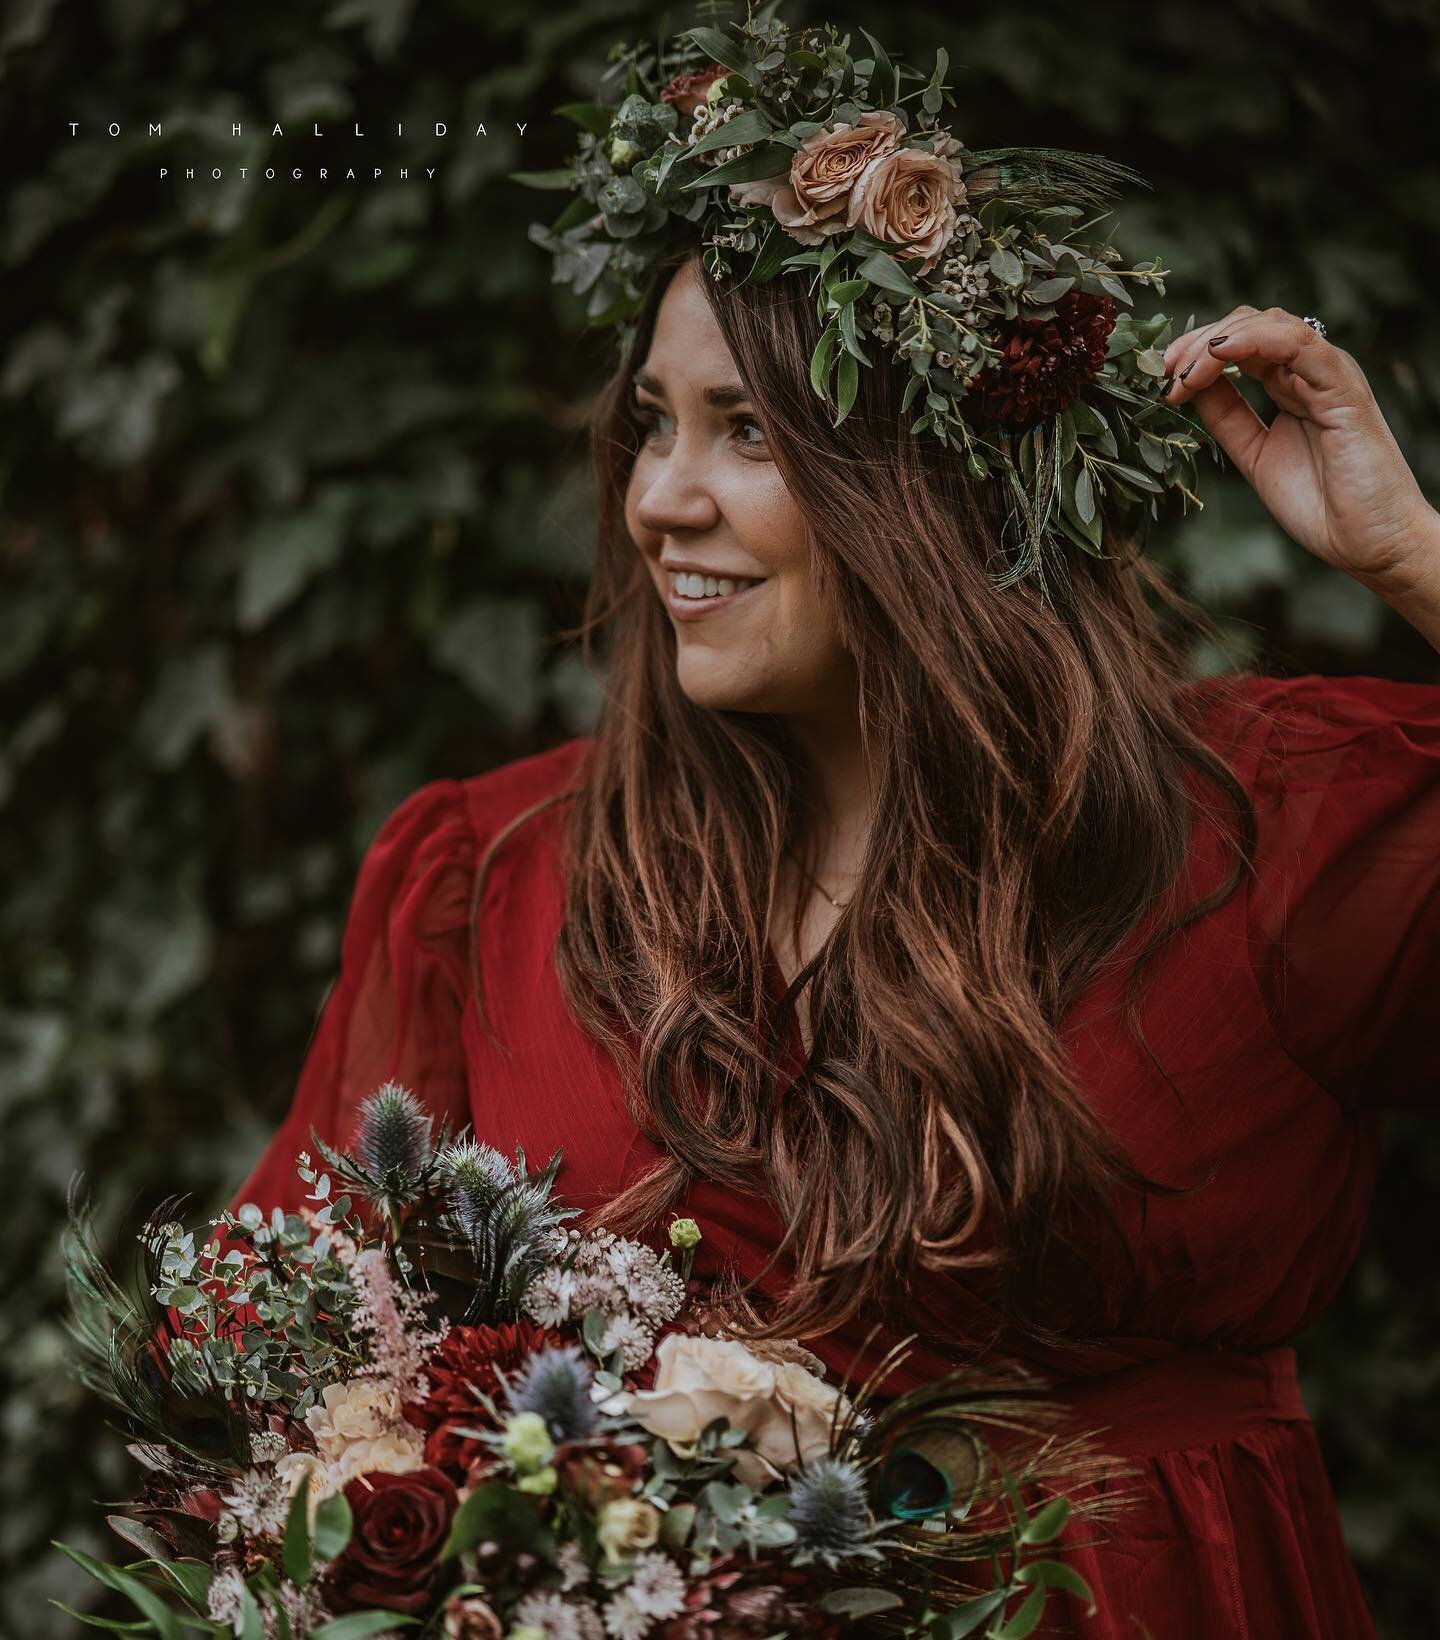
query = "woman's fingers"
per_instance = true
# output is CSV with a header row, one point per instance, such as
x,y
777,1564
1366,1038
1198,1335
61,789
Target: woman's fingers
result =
x,y
1231,421
1277,348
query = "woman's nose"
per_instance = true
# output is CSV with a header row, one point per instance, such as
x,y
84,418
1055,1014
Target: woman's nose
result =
x,y
674,495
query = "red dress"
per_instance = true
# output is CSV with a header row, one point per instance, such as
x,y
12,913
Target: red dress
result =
x,y
1289,1019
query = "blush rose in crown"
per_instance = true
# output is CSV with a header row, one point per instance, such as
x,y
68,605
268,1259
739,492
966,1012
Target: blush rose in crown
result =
x,y
427,1394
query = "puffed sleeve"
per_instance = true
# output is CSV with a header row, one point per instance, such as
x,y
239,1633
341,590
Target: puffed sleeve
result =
x,y
393,1012
1345,903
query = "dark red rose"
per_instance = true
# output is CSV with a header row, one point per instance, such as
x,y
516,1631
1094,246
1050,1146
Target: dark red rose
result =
x,y
688,91
466,1363
401,1523
1046,363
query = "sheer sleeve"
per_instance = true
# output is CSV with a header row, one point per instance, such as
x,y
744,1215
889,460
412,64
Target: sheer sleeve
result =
x,y
393,1012
1345,904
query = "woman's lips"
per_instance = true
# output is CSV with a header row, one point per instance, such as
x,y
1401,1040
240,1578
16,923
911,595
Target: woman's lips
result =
x,y
690,608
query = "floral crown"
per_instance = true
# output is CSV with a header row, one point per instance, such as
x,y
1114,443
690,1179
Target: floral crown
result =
x,y
785,154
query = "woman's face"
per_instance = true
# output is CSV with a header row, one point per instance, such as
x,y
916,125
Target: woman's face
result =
x,y
725,545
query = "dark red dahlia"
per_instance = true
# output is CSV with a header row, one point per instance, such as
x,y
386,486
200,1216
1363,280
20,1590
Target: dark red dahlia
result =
x,y
1046,363
688,91
467,1362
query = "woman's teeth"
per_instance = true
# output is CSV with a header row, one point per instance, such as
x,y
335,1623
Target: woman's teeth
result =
x,y
689,585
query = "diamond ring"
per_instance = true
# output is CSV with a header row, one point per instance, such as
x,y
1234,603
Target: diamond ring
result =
x,y
1317,325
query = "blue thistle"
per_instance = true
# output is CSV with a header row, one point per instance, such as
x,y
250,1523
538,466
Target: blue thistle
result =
x,y
555,1384
479,1178
829,1511
393,1134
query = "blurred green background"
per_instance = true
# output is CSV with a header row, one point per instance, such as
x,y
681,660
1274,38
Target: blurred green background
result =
x,y
292,504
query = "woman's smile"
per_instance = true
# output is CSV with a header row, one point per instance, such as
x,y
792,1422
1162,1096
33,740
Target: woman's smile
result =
x,y
691,594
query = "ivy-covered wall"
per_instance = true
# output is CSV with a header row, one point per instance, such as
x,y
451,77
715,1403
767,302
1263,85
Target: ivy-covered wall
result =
x,y
291,509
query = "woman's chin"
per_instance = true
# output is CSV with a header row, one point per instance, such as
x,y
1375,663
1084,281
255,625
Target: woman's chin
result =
x,y
718,689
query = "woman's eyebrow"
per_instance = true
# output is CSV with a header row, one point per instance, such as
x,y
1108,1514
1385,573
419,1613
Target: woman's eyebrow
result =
x,y
723,397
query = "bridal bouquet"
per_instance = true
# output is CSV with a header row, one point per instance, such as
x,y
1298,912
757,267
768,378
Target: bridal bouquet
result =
x,y
451,1411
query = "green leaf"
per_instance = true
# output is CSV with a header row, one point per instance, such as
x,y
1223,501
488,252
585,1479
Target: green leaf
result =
x,y
114,1626
967,1618
1048,1523
360,1624
500,1513
592,117
1026,1620
751,126
561,177
139,1536
724,48
886,272
820,359
296,1552
1055,1574
1084,495
882,81
164,1620
334,1522
847,384
847,290
1006,266
1141,480
1048,290
858,1601
284,555
771,159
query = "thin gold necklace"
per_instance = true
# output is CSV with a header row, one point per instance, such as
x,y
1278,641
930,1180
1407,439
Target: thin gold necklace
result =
x,y
816,883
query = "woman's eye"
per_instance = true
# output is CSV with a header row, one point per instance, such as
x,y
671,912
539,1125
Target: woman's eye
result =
x,y
647,416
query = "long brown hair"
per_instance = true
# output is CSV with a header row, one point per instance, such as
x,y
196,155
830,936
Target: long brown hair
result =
x,y
1027,757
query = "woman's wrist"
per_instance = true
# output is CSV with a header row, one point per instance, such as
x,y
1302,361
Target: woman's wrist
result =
x,y
1412,586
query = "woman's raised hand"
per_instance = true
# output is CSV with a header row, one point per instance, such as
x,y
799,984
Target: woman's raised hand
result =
x,y
1327,466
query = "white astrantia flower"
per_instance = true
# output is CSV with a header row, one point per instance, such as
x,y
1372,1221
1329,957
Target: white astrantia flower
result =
x,y
226,1599
572,1565
657,1587
631,1337
558,1618
260,1502
549,1297
624,1619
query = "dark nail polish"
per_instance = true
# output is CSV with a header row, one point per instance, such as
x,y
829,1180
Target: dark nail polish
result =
x,y
1186,371
1166,385
1215,341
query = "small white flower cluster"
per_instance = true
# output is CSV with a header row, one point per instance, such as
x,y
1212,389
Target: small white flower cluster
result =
x,y
559,1618
968,280
225,1604
654,1594
260,1503
623,1279
709,117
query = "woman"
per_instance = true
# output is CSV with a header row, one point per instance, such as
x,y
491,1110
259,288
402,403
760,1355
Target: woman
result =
x,y
832,936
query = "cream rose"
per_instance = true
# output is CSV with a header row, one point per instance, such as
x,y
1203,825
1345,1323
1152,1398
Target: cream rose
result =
x,y
700,1379
355,1411
909,194
811,201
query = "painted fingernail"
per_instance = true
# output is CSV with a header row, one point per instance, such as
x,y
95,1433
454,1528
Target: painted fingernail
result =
x,y
1186,371
1166,385
1215,341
